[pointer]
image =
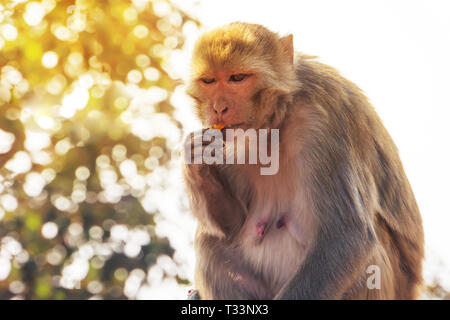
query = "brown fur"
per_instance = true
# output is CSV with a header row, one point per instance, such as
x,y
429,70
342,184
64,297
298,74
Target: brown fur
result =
x,y
341,184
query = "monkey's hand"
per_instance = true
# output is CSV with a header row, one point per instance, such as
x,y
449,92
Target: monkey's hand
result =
x,y
211,199
198,162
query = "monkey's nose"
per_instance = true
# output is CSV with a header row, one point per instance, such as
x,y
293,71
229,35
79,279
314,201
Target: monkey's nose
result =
x,y
220,109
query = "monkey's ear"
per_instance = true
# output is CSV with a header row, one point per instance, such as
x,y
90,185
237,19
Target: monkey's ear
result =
x,y
287,45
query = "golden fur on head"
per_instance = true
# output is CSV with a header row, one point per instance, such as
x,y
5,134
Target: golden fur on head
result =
x,y
246,47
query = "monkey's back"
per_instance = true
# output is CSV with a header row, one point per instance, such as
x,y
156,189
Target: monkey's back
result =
x,y
356,135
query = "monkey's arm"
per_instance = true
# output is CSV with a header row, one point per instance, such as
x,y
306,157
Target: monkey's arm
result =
x,y
219,272
212,202
343,245
210,196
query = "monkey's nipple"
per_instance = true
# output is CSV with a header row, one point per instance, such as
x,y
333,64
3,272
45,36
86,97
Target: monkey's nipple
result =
x,y
281,222
261,228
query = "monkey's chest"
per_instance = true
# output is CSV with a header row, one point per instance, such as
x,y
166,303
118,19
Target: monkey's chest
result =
x,y
278,228
275,236
275,257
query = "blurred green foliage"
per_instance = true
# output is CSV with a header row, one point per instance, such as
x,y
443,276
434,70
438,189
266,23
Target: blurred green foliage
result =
x,y
86,122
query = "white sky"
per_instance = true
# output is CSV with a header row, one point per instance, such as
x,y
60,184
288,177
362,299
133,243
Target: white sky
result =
x,y
398,52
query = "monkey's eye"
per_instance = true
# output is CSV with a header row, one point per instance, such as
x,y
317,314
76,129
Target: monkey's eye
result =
x,y
208,80
238,77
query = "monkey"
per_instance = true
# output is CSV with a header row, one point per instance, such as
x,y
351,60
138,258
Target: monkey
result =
x,y
340,201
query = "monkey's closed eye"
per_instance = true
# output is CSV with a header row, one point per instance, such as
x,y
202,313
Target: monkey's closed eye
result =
x,y
207,80
238,77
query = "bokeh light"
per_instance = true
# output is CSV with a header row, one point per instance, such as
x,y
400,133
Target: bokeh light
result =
x,y
87,143
49,59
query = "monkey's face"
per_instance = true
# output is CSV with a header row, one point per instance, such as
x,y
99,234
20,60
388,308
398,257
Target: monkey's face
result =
x,y
232,66
225,97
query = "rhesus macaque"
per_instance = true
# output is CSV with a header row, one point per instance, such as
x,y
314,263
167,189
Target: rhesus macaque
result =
x,y
340,201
